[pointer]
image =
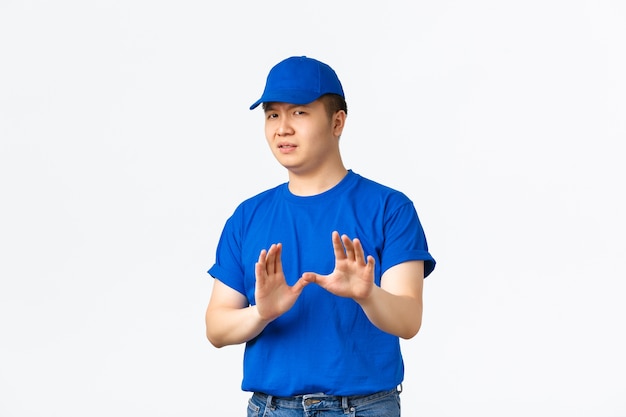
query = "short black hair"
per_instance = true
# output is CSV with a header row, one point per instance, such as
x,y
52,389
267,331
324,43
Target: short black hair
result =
x,y
334,103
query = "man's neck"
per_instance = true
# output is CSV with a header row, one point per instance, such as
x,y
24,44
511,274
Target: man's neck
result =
x,y
313,184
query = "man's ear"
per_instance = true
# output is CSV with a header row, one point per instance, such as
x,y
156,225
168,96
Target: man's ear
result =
x,y
339,121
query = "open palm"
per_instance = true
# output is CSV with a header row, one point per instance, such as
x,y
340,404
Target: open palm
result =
x,y
273,295
353,275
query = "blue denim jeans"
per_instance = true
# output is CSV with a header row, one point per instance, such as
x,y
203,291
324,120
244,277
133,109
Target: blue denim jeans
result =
x,y
380,404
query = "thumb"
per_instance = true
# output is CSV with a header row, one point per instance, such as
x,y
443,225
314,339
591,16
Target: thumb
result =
x,y
302,282
309,277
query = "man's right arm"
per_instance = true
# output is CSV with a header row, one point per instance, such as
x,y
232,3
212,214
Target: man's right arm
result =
x,y
229,319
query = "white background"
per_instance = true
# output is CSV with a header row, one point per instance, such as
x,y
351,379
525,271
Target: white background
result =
x,y
126,142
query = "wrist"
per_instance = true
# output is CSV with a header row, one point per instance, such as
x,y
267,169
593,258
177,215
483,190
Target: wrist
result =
x,y
367,297
259,317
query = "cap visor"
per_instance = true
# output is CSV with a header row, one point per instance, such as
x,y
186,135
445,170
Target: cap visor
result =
x,y
291,97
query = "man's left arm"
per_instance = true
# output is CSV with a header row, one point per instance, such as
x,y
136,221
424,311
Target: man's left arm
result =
x,y
396,306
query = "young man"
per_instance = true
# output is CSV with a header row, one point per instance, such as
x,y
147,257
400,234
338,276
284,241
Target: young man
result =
x,y
322,275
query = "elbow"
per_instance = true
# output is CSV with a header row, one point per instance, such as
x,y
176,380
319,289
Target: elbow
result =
x,y
411,331
413,326
216,342
212,331
214,339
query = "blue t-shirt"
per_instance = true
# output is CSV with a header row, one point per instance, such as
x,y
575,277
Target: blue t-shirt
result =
x,y
324,343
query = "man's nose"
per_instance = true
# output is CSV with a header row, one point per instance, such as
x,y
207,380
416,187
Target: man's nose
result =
x,y
284,127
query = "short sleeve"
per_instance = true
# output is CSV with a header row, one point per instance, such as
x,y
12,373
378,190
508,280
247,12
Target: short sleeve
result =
x,y
228,266
405,239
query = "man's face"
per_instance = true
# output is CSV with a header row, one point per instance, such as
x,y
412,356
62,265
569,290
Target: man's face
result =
x,y
302,137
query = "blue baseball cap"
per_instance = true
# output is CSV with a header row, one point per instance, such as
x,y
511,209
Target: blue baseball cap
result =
x,y
299,80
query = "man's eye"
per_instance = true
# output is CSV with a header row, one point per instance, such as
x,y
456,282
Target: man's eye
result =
x,y
272,115
299,112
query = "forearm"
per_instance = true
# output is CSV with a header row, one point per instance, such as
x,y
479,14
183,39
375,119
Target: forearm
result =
x,y
399,315
232,326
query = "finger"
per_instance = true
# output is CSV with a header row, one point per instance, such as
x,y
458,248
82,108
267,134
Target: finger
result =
x,y
359,253
272,254
309,277
340,252
259,268
349,247
278,263
262,256
305,280
312,277
268,259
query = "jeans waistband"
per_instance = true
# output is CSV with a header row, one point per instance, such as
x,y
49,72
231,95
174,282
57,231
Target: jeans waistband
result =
x,y
307,400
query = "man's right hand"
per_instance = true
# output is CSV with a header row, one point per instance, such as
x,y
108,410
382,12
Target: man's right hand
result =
x,y
273,295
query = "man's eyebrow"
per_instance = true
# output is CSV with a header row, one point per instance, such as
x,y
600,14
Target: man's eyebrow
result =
x,y
271,106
